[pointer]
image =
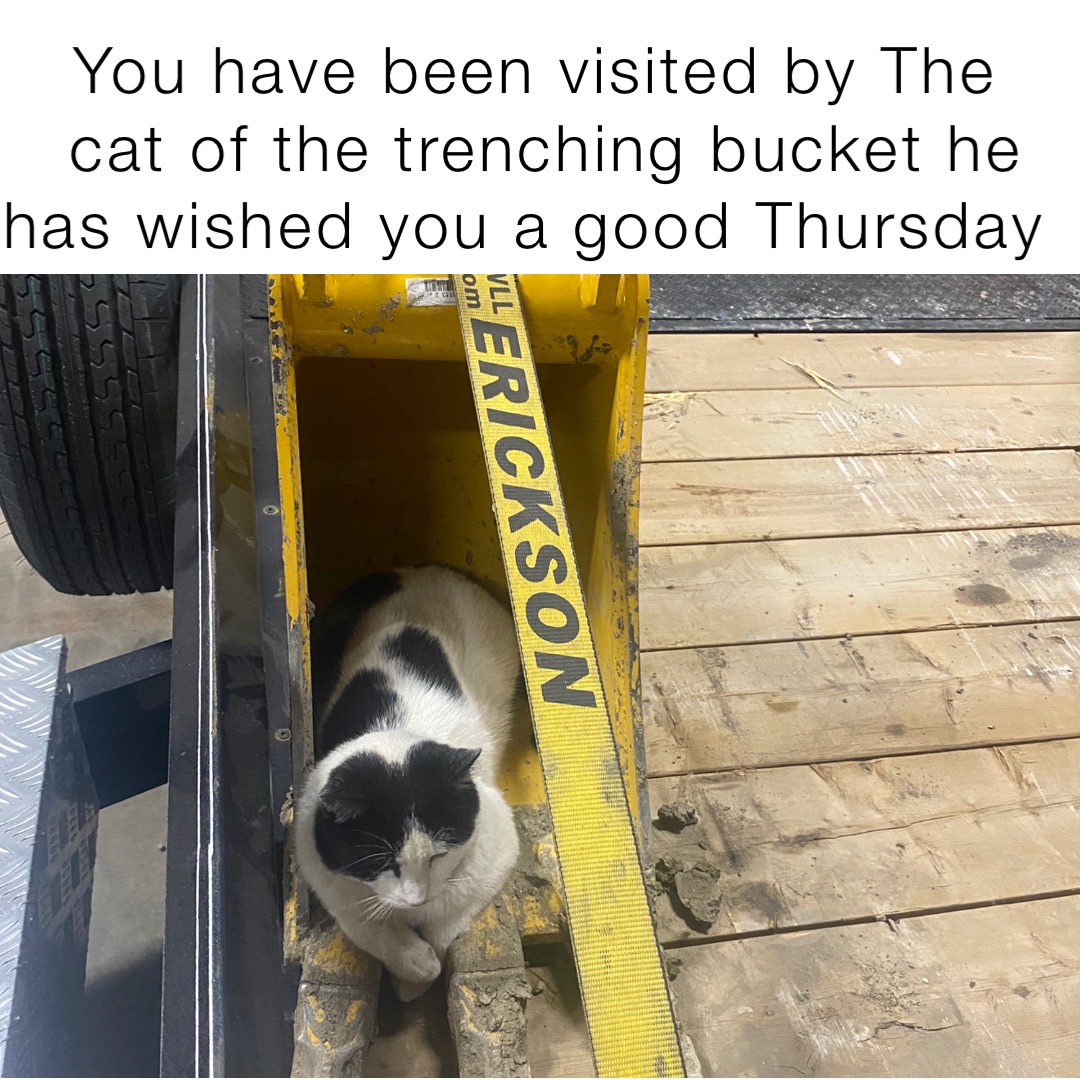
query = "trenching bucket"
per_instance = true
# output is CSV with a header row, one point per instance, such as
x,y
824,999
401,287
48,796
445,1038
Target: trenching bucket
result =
x,y
380,465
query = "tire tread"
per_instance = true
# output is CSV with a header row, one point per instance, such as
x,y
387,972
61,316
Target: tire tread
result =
x,y
87,427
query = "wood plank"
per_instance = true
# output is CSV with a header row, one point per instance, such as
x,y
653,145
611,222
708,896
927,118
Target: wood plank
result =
x,y
557,1032
724,594
412,1039
812,844
990,992
741,424
706,501
753,705
555,1022
749,362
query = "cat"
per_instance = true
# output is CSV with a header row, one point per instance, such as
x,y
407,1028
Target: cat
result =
x,y
401,830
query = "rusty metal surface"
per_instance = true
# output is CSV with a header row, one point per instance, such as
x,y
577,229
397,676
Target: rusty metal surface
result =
x,y
338,996
336,1004
486,994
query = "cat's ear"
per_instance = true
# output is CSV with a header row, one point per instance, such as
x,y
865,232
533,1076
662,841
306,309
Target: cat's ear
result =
x,y
342,806
461,761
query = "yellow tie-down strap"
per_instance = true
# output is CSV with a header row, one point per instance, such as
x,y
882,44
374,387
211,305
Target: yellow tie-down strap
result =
x,y
625,994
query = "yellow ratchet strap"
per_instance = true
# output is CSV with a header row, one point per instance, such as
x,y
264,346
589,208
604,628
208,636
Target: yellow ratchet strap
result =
x,y
619,963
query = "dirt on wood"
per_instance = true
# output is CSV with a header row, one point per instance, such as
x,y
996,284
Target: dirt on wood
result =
x,y
694,890
675,816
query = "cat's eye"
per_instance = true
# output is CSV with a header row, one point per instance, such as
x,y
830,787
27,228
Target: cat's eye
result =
x,y
438,855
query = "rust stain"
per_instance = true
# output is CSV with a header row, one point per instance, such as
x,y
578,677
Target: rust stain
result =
x,y
340,957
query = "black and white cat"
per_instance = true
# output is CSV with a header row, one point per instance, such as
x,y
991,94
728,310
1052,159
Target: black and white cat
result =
x,y
401,829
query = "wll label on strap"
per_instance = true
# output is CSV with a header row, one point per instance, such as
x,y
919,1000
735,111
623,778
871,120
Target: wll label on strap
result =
x,y
631,1024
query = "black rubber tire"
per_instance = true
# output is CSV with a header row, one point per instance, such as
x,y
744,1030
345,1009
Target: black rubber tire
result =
x,y
88,427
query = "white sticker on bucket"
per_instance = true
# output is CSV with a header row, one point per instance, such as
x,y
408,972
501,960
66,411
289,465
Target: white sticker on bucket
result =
x,y
429,292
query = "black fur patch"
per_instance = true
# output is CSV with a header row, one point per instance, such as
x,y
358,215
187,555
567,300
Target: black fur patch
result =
x,y
365,701
421,653
331,629
367,806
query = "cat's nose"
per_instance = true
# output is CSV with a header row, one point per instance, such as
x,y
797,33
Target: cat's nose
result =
x,y
415,901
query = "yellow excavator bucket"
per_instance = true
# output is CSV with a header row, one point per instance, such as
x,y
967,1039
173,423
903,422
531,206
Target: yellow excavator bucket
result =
x,y
381,465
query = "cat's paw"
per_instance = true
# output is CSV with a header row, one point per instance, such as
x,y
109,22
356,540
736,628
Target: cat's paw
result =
x,y
409,991
417,964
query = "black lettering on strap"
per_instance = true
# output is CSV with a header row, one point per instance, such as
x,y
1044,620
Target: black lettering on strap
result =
x,y
508,444
551,556
500,335
560,689
532,507
509,382
511,419
538,603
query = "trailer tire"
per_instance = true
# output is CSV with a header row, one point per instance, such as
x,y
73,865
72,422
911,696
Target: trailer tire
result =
x,y
88,427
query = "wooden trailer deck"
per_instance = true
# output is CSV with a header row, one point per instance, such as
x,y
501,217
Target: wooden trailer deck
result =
x,y
862,667
860,631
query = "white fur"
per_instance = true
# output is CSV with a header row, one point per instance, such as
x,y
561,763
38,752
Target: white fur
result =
x,y
409,923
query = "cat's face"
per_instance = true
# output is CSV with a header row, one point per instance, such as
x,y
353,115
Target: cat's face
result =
x,y
401,826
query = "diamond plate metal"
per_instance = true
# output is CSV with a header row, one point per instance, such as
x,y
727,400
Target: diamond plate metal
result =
x,y
48,825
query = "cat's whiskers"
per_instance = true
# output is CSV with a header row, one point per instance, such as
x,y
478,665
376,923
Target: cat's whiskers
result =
x,y
363,859
374,907
383,843
384,910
